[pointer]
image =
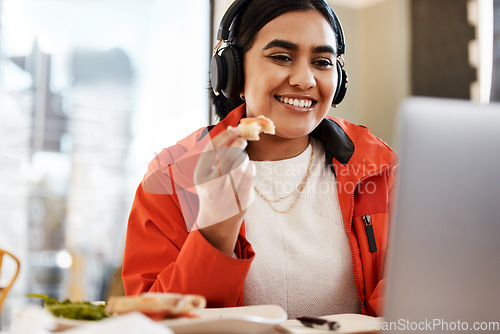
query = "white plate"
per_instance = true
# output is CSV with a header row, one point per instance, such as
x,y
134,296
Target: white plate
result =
x,y
349,323
64,324
234,320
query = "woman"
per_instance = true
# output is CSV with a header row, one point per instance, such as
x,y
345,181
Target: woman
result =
x,y
314,239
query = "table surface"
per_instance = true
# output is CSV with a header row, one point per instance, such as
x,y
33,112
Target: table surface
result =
x,y
263,319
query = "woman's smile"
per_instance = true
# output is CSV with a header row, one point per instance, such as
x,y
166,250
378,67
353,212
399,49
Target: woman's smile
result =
x,y
299,104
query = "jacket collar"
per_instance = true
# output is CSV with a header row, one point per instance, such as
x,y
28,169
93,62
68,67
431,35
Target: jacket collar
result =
x,y
337,143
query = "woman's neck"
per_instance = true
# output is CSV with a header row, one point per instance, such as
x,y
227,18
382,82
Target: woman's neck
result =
x,y
272,148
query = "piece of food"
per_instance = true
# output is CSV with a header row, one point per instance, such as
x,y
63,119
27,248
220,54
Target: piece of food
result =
x,y
251,127
73,310
157,305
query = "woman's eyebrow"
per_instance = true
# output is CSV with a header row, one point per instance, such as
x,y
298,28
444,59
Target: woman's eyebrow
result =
x,y
279,43
325,49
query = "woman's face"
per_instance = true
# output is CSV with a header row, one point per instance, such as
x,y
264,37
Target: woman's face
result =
x,y
290,72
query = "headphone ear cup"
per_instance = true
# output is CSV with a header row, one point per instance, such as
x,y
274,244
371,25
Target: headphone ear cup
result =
x,y
218,75
342,83
234,66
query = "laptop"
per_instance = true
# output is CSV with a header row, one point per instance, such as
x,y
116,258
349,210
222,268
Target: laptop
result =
x,y
444,262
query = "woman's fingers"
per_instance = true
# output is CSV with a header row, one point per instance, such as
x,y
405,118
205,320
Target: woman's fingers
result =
x,y
223,153
228,137
229,150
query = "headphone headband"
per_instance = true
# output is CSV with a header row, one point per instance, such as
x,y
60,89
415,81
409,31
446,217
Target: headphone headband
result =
x,y
340,36
227,19
234,9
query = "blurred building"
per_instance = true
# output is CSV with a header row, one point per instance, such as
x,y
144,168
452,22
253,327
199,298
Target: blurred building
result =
x,y
101,101
75,143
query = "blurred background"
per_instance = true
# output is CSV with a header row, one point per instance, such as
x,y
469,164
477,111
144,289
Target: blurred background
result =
x,y
91,91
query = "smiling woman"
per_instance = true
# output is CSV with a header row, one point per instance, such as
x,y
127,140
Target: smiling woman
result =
x,y
283,220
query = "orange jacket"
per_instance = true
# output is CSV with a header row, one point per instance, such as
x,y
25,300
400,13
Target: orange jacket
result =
x,y
162,256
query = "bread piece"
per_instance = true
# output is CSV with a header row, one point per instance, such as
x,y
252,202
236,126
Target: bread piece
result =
x,y
156,305
250,127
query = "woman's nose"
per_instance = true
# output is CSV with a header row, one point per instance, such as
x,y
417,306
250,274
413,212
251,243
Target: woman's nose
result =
x,y
302,76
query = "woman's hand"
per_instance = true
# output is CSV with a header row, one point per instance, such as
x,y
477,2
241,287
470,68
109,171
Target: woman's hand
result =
x,y
224,182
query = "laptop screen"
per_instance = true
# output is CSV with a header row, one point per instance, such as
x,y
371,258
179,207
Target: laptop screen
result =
x,y
444,265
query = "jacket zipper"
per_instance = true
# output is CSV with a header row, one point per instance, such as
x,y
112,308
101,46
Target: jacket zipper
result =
x,y
369,233
371,242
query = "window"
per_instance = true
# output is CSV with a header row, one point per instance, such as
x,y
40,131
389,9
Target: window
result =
x,y
90,91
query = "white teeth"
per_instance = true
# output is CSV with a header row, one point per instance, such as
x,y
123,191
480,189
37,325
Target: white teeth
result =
x,y
296,102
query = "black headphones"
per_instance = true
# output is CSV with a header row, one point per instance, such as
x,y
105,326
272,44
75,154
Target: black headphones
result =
x,y
226,65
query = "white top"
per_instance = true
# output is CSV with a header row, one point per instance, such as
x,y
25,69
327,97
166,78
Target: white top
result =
x,y
302,258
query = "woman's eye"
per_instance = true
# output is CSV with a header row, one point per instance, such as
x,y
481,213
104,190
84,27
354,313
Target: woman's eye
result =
x,y
280,58
323,63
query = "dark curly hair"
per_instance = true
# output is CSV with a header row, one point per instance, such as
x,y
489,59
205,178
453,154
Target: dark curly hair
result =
x,y
251,19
